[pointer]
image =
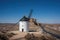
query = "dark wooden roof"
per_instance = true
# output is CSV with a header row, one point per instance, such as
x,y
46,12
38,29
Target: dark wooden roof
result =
x,y
24,19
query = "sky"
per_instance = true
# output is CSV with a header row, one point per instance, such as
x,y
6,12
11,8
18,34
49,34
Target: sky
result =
x,y
45,11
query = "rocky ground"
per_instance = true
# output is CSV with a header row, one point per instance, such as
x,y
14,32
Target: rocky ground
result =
x,y
16,35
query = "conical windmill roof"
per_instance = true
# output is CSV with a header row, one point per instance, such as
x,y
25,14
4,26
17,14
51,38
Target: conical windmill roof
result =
x,y
24,19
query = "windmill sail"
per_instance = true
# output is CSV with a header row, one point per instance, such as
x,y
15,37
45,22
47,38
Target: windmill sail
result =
x,y
30,13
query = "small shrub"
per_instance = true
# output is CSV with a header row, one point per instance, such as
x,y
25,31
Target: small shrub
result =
x,y
42,38
10,34
3,37
30,37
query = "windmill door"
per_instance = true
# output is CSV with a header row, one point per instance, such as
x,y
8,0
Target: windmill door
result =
x,y
22,30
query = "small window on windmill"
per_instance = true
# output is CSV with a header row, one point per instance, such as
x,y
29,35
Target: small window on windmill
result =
x,y
22,25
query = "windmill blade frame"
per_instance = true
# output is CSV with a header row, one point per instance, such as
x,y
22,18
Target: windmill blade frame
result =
x,y
30,14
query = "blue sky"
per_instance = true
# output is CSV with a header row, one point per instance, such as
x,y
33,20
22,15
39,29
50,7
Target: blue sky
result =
x,y
45,11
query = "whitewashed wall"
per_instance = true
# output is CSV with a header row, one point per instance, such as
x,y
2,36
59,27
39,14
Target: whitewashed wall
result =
x,y
24,25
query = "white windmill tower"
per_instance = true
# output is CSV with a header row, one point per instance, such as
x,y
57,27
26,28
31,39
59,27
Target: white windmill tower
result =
x,y
24,23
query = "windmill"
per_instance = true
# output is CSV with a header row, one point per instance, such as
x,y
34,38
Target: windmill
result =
x,y
24,22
